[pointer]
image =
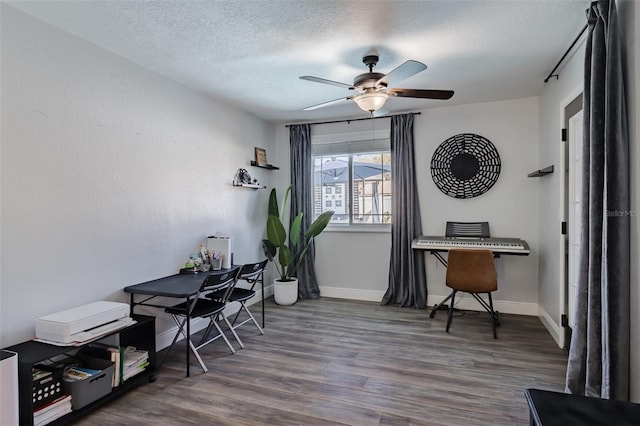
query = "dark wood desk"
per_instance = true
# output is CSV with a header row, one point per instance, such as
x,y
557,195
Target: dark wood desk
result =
x,y
180,286
559,409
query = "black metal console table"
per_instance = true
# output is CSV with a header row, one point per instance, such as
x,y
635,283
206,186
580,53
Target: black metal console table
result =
x,y
180,286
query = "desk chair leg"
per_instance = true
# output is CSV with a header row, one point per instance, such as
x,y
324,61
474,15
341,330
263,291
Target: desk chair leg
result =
x,y
262,283
224,317
493,317
174,340
214,322
190,343
251,318
450,316
438,305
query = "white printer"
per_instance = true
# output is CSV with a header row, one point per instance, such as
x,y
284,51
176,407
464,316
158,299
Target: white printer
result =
x,y
83,323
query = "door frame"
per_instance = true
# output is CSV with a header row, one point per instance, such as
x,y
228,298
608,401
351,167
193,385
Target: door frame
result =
x,y
563,216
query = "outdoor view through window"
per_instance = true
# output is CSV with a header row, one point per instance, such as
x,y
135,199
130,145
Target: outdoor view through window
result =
x,y
357,187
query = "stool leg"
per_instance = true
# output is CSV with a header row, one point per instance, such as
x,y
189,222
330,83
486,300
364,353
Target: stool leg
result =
x,y
450,316
493,317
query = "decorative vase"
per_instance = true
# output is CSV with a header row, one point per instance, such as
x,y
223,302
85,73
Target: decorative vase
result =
x,y
285,292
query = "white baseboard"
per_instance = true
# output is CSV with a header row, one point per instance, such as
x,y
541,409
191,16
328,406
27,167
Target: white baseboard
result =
x,y
467,302
351,293
556,331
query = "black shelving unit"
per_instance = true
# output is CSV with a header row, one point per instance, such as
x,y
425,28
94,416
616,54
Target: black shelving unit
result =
x,y
142,335
264,166
542,172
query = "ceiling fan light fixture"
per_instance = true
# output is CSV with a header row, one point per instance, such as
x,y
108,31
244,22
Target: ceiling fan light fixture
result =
x,y
371,101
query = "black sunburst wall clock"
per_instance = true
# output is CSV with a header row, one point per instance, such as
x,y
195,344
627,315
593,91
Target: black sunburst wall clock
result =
x,y
465,166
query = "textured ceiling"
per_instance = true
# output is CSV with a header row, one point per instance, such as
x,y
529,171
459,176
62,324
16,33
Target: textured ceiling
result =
x,y
251,53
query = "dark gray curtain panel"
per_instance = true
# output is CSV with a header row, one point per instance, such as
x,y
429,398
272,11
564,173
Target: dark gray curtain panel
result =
x,y
598,362
302,201
407,276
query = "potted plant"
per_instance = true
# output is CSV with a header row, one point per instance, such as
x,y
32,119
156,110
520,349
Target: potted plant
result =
x,y
287,252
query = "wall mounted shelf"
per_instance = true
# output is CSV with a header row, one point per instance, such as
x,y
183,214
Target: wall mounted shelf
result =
x,y
264,166
542,172
249,185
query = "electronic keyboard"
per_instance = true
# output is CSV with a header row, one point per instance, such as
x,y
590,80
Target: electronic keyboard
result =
x,y
513,246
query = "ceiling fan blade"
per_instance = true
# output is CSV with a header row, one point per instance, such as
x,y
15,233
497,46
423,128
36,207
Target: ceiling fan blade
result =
x,y
419,93
324,104
402,72
325,81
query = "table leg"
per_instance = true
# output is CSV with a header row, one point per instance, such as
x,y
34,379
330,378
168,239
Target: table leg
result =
x,y
262,283
188,336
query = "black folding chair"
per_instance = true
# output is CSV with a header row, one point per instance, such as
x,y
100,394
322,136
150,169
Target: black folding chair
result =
x,y
203,307
252,273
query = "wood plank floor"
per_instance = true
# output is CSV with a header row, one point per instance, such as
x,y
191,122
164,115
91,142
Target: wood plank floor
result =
x,y
340,362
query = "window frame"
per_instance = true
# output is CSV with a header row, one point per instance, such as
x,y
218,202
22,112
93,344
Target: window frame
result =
x,y
350,145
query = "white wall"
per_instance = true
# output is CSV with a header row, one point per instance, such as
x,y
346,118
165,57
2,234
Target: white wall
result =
x,y
356,265
510,206
111,174
629,12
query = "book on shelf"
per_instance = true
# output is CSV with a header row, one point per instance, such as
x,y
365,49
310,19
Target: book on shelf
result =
x,y
116,358
75,373
128,361
113,354
52,410
134,361
40,375
133,356
132,371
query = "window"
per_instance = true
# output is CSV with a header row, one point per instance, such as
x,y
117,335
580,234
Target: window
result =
x,y
355,185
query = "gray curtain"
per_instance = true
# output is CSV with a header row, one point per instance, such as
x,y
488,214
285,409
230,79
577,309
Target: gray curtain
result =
x,y
302,201
407,276
599,354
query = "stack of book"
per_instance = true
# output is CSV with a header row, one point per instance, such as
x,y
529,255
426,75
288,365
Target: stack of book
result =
x,y
128,361
52,410
134,361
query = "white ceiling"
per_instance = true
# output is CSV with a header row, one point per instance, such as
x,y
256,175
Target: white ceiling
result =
x,y
251,53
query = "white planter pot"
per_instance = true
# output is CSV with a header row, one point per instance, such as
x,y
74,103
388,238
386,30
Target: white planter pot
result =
x,y
285,292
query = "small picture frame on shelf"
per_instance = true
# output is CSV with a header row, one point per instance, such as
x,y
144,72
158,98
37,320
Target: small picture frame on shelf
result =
x,y
261,156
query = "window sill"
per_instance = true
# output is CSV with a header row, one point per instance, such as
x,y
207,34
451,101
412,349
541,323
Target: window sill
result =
x,y
359,228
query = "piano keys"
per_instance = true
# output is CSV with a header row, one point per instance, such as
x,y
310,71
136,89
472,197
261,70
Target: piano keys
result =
x,y
509,246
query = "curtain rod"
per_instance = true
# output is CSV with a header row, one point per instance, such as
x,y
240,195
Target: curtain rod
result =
x,y
565,55
353,119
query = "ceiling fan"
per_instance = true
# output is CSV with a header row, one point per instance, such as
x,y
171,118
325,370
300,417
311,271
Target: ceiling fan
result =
x,y
373,87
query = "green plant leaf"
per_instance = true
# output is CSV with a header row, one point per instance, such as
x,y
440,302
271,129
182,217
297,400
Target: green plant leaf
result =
x,y
318,225
294,231
275,247
284,257
269,249
273,204
276,234
284,202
